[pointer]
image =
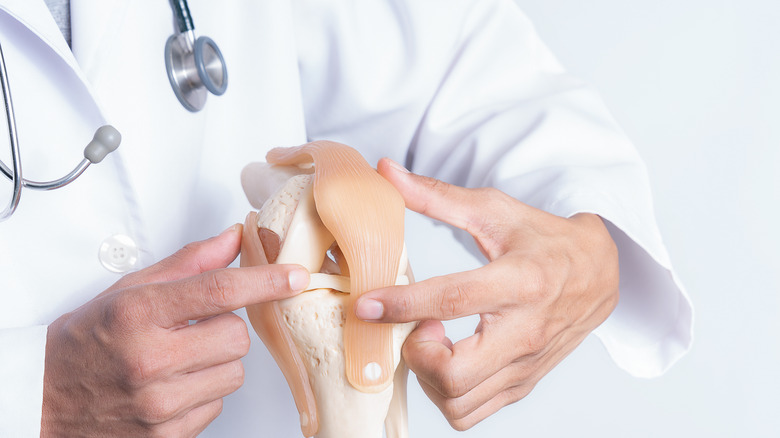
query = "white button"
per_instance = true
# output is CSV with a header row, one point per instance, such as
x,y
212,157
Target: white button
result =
x,y
118,253
372,371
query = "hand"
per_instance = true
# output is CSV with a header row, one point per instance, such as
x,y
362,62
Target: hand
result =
x,y
549,282
129,364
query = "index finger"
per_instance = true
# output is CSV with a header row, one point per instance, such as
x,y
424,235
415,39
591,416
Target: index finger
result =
x,y
483,290
193,259
488,214
432,197
220,291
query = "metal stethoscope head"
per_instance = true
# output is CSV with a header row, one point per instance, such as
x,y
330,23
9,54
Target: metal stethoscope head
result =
x,y
195,66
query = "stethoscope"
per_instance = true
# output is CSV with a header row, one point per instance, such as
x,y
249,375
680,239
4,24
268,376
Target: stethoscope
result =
x,y
195,67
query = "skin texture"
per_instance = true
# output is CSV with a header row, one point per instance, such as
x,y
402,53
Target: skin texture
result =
x,y
549,282
128,363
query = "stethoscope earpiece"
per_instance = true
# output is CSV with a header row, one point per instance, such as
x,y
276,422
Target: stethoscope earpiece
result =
x,y
195,66
105,141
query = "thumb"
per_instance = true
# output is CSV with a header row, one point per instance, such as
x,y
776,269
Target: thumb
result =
x,y
193,259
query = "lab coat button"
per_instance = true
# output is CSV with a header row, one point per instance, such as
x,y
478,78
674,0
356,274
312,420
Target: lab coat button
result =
x,y
118,253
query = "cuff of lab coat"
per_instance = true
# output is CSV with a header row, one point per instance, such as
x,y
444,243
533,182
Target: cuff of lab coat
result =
x,y
21,380
652,326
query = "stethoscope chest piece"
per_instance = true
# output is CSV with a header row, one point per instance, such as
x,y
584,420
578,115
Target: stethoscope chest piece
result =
x,y
195,66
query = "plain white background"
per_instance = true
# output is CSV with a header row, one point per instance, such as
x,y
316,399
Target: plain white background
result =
x,y
696,85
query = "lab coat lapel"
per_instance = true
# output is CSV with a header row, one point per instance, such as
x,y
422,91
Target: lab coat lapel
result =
x,y
184,167
94,29
35,16
56,115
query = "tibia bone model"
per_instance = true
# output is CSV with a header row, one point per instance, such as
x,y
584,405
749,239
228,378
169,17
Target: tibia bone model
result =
x,y
322,206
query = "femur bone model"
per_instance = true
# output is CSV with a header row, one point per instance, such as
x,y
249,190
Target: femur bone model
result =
x,y
323,206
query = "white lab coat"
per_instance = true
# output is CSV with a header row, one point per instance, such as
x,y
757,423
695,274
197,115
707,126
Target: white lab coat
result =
x,y
460,90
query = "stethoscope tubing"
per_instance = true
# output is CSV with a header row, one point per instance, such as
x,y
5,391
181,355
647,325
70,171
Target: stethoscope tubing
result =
x,y
181,12
182,47
15,172
16,160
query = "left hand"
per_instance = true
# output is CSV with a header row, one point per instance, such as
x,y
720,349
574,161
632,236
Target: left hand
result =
x,y
549,282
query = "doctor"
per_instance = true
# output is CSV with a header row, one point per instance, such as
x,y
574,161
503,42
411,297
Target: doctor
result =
x,y
93,335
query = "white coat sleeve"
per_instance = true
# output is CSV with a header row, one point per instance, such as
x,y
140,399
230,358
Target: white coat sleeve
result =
x,y
466,92
22,353
507,116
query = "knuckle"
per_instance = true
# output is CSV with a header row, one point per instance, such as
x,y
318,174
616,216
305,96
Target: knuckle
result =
x,y
403,304
452,382
154,408
271,281
535,341
219,405
220,289
454,301
408,352
181,257
129,310
244,343
488,192
477,222
277,282
437,185
130,279
522,372
139,369
462,424
187,251
239,334
119,310
238,375
455,408
496,199
517,393
537,283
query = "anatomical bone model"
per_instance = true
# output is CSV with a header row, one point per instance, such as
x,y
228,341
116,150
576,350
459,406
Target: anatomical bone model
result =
x,y
322,206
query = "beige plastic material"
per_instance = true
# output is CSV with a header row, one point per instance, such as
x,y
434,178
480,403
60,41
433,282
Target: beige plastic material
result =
x,y
306,334
365,214
267,321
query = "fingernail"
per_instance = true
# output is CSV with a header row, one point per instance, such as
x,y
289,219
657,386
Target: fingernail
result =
x,y
299,279
230,229
368,309
397,166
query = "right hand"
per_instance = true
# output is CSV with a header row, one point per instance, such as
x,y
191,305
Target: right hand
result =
x,y
128,363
